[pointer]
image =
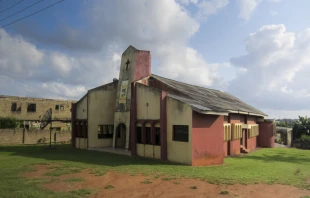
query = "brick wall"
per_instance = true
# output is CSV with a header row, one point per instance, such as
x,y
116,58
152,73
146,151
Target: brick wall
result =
x,y
19,136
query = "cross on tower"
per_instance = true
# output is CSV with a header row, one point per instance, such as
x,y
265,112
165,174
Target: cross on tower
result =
x,y
127,63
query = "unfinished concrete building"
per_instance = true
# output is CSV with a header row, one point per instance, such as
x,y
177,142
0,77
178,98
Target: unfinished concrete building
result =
x,y
30,110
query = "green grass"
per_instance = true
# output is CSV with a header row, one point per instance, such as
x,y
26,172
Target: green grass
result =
x,y
283,166
193,187
85,192
62,171
108,187
146,182
224,192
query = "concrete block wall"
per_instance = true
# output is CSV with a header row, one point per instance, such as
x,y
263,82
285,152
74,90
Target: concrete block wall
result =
x,y
21,136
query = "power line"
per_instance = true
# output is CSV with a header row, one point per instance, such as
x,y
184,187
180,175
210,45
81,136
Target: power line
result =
x,y
11,6
21,10
31,14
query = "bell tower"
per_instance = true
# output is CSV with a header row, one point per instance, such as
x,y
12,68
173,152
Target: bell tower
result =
x,y
135,65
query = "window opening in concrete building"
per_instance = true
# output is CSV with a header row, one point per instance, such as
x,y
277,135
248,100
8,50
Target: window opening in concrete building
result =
x,y
32,107
56,107
105,131
139,134
148,135
14,107
180,133
157,136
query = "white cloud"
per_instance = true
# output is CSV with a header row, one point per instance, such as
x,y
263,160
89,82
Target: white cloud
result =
x,y
247,7
278,67
62,63
17,55
186,2
207,8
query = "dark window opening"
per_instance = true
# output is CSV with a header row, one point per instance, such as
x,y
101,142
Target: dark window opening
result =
x,y
59,107
31,108
157,136
15,108
139,135
148,135
105,131
180,133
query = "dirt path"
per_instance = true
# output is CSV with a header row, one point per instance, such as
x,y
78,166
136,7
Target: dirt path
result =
x,y
114,184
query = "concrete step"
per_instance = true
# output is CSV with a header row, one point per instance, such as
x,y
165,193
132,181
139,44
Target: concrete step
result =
x,y
243,149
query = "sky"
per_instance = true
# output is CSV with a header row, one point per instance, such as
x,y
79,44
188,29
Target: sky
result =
x,y
257,50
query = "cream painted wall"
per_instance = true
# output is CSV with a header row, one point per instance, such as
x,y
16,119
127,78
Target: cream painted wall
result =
x,y
81,108
101,109
179,113
148,95
81,143
150,151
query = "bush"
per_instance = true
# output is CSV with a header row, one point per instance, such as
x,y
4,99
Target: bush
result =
x,y
305,137
9,123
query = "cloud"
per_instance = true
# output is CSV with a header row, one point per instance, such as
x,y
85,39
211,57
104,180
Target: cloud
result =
x,y
207,8
164,29
15,52
277,67
247,7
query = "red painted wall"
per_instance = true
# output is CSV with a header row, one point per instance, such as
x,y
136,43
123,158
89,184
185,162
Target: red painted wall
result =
x,y
235,144
251,142
266,136
225,149
143,65
207,139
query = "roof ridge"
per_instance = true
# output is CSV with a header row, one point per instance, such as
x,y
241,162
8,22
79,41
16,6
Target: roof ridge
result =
x,y
188,83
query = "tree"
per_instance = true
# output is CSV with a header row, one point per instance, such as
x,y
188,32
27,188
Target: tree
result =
x,y
301,127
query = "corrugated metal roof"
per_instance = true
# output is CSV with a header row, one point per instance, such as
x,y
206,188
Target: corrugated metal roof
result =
x,y
207,99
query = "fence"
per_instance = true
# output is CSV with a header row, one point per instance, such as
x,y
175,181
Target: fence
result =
x,y
23,136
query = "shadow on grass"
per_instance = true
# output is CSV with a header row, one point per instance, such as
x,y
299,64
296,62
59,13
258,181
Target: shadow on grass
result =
x,y
67,153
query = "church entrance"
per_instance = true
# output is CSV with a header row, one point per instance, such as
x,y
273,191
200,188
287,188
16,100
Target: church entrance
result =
x,y
120,139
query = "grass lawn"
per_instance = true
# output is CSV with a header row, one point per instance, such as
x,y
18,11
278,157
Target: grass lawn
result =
x,y
283,166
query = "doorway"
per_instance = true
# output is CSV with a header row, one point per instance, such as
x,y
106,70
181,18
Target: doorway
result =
x,y
120,139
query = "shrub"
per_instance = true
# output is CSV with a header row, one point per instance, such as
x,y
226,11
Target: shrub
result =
x,y
9,123
305,137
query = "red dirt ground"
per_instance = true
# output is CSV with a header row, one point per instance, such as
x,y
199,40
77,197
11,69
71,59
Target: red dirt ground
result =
x,y
134,186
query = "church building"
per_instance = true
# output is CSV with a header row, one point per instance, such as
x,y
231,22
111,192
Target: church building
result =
x,y
147,115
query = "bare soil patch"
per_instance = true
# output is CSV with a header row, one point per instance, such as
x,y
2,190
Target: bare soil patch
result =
x,y
114,184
